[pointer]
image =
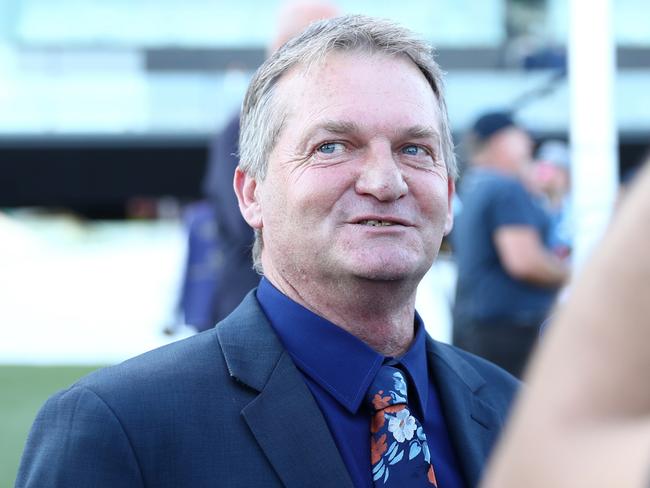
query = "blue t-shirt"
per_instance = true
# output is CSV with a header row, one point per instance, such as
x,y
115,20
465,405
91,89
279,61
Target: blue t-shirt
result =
x,y
485,291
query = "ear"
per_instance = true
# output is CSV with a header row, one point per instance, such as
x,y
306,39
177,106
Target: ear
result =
x,y
451,190
247,195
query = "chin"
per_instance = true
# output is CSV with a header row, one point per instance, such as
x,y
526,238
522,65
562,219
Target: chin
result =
x,y
399,271
384,276
382,264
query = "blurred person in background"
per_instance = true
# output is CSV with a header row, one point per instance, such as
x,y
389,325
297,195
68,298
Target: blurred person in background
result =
x,y
229,260
552,179
585,419
507,275
324,375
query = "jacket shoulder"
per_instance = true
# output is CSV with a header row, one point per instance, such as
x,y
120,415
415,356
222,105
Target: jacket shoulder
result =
x,y
169,417
178,361
489,381
186,363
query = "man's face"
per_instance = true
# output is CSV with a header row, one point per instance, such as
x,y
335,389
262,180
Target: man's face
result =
x,y
356,186
514,148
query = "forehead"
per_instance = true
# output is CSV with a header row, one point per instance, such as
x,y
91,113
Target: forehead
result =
x,y
359,86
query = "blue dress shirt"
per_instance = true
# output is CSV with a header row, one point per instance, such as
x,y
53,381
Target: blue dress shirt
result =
x,y
338,369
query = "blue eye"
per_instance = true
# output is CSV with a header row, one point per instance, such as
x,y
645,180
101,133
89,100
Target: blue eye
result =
x,y
328,147
412,150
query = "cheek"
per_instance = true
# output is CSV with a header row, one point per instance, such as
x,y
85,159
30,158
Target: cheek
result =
x,y
440,212
318,191
274,203
432,195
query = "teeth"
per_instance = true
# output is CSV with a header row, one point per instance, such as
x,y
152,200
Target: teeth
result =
x,y
376,223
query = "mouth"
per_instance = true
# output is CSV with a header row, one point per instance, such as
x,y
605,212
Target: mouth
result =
x,y
380,221
377,223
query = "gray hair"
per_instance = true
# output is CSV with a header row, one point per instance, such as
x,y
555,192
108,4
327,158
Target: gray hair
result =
x,y
262,119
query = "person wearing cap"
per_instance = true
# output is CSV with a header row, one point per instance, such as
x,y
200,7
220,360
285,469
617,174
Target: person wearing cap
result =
x,y
584,419
507,276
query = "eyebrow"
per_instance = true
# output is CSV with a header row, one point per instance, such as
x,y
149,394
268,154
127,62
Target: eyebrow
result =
x,y
331,126
420,132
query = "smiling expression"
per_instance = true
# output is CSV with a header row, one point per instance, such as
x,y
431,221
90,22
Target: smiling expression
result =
x,y
356,186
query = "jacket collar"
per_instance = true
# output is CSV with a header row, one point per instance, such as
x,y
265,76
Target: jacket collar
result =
x,y
473,424
284,418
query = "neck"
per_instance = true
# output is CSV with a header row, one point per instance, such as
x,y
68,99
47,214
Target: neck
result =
x,y
380,313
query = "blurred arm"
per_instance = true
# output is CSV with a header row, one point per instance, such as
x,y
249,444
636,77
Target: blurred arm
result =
x,y
525,258
585,420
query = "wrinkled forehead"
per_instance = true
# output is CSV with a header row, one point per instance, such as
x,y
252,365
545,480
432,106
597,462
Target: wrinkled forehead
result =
x,y
332,79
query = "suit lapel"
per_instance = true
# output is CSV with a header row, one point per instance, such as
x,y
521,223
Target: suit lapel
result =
x,y
284,418
473,424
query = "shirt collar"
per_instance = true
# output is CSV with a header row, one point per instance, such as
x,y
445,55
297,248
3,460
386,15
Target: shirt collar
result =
x,y
414,361
341,364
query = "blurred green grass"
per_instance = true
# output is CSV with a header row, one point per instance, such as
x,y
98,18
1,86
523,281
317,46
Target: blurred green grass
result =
x,y
23,390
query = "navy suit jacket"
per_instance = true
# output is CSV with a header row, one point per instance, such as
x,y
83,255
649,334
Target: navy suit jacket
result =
x,y
229,408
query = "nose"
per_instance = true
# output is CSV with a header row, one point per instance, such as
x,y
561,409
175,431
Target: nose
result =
x,y
380,175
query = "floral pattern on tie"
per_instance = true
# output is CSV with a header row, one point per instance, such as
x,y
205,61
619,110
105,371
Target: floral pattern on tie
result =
x,y
398,444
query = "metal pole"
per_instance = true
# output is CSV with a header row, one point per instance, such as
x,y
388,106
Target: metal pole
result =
x,y
594,140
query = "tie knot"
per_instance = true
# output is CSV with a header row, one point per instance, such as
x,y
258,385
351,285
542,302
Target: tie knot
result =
x,y
388,388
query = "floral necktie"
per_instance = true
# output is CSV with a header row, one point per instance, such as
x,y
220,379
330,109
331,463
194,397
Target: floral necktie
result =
x,y
399,452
